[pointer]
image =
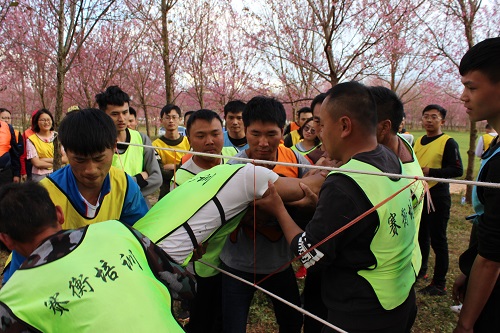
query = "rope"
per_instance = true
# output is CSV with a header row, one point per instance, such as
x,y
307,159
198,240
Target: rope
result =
x,y
351,223
338,231
318,167
297,308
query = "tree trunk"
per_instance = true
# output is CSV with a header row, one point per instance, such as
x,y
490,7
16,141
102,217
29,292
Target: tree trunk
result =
x,y
471,156
166,52
60,73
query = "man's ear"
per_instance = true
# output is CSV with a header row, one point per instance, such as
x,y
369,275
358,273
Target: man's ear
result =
x,y
60,215
346,126
9,242
387,126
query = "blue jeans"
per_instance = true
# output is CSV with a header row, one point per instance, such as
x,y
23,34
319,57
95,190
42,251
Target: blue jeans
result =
x,y
237,297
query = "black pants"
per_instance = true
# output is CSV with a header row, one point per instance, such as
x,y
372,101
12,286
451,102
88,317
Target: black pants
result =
x,y
237,296
205,310
313,301
432,232
398,320
6,176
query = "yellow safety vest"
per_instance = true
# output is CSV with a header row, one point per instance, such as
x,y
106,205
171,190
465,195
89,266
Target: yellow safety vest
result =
x,y
109,209
431,154
43,149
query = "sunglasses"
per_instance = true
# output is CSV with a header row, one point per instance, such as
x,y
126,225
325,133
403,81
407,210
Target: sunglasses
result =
x,y
309,129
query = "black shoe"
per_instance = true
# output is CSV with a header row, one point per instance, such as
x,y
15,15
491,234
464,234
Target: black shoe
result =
x,y
433,290
422,276
183,315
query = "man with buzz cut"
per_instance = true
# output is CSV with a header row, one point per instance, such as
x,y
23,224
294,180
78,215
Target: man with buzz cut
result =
x,y
367,282
139,162
205,135
104,277
479,285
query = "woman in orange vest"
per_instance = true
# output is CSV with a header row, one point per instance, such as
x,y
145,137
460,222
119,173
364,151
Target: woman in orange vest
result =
x,y
40,145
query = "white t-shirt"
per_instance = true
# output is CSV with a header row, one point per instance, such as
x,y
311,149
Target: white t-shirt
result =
x,y
234,197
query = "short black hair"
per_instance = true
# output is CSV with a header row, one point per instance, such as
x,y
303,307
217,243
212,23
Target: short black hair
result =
x,y
389,106
442,111
266,110
235,106
25,210
483,57
112,96
305,109
132,111
36,117
5,110
169,107
318,99
354,100
187,114
203,114
87,132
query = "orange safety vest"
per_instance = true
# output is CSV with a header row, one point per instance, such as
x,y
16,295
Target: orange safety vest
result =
x,y
294,126
5,137
286,155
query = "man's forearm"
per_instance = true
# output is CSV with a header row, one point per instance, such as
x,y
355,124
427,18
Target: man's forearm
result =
x,y
482,280
288,226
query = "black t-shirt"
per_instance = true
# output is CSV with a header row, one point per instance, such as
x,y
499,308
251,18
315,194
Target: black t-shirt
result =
x,y
238,142
346,294
487,240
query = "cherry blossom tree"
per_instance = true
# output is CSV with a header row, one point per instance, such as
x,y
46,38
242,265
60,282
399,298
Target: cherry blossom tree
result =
x,y
471,19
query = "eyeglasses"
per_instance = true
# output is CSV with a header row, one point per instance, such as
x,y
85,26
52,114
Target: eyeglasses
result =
x,y
309,129
170,117
48,121
431,117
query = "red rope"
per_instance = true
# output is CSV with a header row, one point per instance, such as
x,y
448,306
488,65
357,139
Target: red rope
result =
x,y
254,225
338,231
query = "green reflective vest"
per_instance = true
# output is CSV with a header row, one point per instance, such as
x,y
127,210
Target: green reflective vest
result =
x,y
177,207
392,276
132,160
111,289
418,195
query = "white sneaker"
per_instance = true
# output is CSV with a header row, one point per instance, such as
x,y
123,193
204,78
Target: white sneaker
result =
x,y
456,308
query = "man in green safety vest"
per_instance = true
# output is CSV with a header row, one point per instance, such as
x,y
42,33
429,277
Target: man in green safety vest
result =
x,y
367,268
105,277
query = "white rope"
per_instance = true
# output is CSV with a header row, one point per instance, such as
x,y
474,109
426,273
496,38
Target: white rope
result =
x,y
391,175
298,308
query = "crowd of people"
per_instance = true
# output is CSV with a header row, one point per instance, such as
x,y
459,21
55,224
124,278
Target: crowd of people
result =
x,y
91,253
